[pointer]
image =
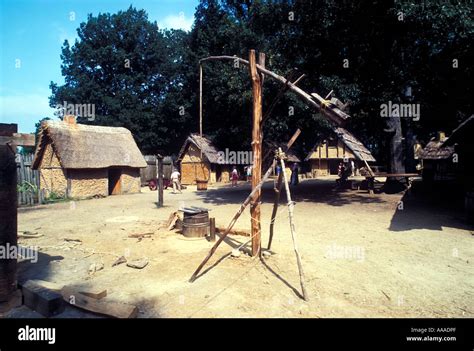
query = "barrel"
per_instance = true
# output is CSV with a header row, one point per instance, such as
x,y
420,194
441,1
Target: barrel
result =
x,y
196,225
201,184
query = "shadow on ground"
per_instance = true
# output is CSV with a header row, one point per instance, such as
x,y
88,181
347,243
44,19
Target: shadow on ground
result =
x,y
44,269
311,190
430,208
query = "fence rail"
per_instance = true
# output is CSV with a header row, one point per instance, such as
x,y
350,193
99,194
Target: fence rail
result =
x,y
29,192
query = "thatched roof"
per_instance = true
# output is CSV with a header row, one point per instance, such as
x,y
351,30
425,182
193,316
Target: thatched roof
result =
x,y
435,151
355,145
86,146
202,143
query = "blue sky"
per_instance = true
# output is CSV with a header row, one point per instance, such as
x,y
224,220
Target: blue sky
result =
x,y
31,36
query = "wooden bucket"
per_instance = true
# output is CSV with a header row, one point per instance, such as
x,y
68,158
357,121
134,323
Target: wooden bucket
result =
x,y
201,184
196,225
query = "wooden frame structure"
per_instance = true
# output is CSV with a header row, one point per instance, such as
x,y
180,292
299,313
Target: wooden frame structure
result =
x,y
317,102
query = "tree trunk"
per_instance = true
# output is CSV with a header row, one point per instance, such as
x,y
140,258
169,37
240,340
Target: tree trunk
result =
x,y
394,128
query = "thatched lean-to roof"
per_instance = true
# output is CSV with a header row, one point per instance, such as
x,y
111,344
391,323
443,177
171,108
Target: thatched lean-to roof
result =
x,y
85,146
435,151
203,144
355,145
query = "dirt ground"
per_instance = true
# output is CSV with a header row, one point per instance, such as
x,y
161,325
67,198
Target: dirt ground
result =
x,y
363,256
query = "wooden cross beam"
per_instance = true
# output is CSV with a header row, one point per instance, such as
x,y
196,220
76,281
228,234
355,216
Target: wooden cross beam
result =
x,y
315,101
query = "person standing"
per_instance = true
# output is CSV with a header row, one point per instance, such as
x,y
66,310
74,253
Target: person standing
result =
x,y
294,174
277,170
234,176
249,173
175,180
352,168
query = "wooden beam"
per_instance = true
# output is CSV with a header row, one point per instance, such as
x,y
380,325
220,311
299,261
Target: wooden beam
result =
x,y
102,306
315,101
256,150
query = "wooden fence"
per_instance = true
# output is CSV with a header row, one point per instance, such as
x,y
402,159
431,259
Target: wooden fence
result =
x,y
28,189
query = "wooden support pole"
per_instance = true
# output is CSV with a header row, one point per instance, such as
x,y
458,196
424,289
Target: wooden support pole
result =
x,y
291,205
200,99
159,160
278,193
241,210
212,229
275,207
8,221
256,150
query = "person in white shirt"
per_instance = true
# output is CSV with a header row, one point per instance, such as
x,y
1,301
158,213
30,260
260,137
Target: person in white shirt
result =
x,y
234,176
175,180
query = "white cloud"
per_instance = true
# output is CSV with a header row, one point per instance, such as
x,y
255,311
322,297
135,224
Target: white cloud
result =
x,y
25,110
179,21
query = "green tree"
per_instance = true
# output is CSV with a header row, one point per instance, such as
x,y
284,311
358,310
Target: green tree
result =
x,y
129,69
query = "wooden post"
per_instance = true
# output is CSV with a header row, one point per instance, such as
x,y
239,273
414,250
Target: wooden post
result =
x,y
8,220
257,151
159,159
291,205
275,208
212,229
278,191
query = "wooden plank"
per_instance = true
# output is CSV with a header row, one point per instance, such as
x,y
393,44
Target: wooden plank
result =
x,y
99,294
104,307
90,292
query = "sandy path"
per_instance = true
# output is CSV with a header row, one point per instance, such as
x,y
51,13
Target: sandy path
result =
x,y
362,256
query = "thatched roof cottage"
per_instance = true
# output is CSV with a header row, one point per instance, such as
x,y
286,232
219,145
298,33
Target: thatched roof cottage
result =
x,y
79,161
199,160
341,145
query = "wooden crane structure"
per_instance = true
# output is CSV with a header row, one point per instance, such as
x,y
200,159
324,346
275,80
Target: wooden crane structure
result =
x,y
330,110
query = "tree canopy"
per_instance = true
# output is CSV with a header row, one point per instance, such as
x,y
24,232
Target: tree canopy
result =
x,y
369,53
